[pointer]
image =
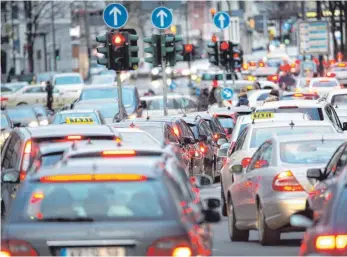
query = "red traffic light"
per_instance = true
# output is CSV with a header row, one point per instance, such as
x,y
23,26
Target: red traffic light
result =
x,y
224,46
236,55
214,39
188,48
118,39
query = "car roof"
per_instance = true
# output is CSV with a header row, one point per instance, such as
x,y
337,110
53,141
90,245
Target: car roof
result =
x,y
141,122
204,115
338,92
96,101
277,117
91,87
231,109
312,123
317,136
76,111
67,74
70,129
148,98
130,130
319,79
299,103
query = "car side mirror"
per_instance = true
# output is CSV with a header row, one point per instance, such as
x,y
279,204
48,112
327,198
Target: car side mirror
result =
x,y
10,176
301,221
144,104
344,126
202,180
315,173
237,169
202,138
223,152
222,141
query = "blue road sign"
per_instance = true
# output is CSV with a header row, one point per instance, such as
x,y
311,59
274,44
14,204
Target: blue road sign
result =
x,y
221,20
115,16
161,17
227,93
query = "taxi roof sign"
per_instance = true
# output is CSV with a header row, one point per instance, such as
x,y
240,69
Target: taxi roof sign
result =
x,y
262,115
79,120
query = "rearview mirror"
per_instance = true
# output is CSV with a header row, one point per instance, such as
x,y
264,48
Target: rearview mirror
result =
x,y
223,152
202,180
144,104
237,169
222,141
10,176
315,173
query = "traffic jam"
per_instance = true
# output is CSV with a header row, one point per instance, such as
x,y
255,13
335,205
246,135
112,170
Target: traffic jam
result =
x,y
240,156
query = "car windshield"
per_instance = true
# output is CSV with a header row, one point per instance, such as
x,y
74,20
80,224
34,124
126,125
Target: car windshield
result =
x,y
140,138
84,117
227,122
44,77
339,100
308,152
97,201
321,83
106,93
102,80
314,112
297,96
107,110
51,159
40,110
67,80
260,135
4,122
207,76
21,113
155,131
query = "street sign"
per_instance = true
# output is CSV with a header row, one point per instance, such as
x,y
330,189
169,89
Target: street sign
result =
x,y
115,16
227,93
221,20
313,37
235,30
161,17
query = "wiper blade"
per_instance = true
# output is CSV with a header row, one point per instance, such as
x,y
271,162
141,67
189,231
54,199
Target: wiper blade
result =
x,y
63,219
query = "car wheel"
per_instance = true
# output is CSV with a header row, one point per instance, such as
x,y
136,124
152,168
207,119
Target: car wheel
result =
x,y
235,234
224,204
267,236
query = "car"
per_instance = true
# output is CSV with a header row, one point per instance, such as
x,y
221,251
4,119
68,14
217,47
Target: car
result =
x,y
256,97
83,116
274,185
337,98
70,84
340,72
240,110
35,94
103,80
22,116
42,78
323,85
133,198
109,108
327,235
176,104
266,74
326,176
137,136
42,114
254,134
316,109
130,96
6,127
299,96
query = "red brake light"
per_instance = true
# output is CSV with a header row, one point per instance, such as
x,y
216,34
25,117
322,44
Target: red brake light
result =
x,y
171,246
331,75
92,177
25,160
36,197
245,66
261,64
285,181
245,162
15,247
3,99
74,137
118,153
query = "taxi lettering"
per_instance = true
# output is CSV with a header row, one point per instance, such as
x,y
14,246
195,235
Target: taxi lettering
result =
x,y
79,120
262,115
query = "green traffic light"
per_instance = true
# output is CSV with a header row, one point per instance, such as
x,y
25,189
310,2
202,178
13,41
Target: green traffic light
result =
x,y
101,39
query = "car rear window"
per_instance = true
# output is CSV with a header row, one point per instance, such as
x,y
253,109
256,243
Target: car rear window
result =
x,y
226,121
339,100
260,135
107,109
314,112
21,113
155,131
194,128
67,80
66,118
308,152
51,159
97,201
109,93
341,213
140,138
325,84
300,96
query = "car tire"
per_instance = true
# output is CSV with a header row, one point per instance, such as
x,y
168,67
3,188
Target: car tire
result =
x,y
267,236
224,204
235,234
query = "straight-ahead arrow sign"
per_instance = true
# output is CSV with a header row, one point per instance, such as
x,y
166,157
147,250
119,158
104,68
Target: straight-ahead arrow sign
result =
x,y
221,20
161,14
115,11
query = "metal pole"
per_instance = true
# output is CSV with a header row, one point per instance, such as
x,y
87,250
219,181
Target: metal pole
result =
x,y
120,96
53,37
87,34
45,49
320,57
13,46
163,65
303,13
187,35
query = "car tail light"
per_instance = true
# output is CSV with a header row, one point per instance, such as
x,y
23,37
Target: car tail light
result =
x,y
272,78
92,177
331,75
74,137
285,181
14,247
331,242
26,159
118,153
245,162
3,99
172,246
37,197
215,136
202,147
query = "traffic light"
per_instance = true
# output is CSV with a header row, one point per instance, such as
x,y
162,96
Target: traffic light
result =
x,y
188,52
57,54
236,57
213,53
170,48
103,50
132,48
118,53
225,54
154,49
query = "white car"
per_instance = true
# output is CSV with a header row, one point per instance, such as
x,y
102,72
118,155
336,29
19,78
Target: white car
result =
x,y
103,80
323,85
257,97
340,71
70,84
176,104
337,98
34,94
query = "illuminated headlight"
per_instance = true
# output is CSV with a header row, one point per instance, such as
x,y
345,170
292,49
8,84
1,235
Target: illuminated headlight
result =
x,y
185,72
33,124
168,81
168,70
194,77
43,122
155,72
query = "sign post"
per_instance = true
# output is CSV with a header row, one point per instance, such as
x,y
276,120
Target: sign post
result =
x,y
162,19
314,37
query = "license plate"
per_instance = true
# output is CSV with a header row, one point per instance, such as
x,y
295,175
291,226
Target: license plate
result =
x,y
93,251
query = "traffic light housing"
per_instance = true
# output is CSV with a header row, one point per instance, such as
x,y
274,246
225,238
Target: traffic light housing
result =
x,y
104,39
188,52
213,53
224,47
154,49
236,57
133,49
57,54
170,48
118,51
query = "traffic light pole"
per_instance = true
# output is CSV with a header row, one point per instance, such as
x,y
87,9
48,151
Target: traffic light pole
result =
x,y
163,66
120,96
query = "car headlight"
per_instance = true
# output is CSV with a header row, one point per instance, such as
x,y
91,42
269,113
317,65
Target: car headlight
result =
x,y
168,70
185,72
33,124
194,77
155,72
43,122
132,116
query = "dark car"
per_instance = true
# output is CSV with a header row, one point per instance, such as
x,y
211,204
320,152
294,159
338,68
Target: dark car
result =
x,y
95,209
21,146
326,235
6,127
23,116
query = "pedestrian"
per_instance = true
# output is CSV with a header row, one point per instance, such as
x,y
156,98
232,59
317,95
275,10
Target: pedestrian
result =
x,y
273,96
243,98
49,90
203,100
11,74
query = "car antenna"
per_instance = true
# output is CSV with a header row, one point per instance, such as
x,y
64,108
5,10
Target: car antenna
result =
x,y
336,106
89,142
229,108
253,121
291,124
147,117
132,125
322,138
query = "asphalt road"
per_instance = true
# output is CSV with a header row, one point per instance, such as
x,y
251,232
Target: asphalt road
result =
x,y
223,246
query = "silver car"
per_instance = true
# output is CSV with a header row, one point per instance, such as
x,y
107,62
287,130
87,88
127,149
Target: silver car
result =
x,y
275,185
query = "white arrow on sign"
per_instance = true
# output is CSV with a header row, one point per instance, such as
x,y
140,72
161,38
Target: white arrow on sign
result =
x,y
227,94
115,11
221,20
162,14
